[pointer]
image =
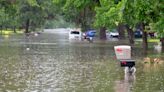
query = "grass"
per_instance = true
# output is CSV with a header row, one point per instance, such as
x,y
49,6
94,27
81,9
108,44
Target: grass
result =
x,y
151,40
8,32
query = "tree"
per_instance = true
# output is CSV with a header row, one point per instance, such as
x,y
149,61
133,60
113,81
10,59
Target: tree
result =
x,y
158,20
129,19
81,12
147,12
8,18
31,14
109,14
34,13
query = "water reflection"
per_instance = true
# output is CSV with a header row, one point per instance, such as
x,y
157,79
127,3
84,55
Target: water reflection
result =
x,y
150,78
125,85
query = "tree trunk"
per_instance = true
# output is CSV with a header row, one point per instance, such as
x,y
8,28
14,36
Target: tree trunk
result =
x,y
27,26
144,37
86,18
145,43
1,29
121,31
130,35
162,44
102,33
14,29
83,22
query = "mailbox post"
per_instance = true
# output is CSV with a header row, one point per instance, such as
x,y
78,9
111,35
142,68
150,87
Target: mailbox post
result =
x,y
123,55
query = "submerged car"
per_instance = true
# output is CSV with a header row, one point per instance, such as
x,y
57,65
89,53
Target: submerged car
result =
x,y
91,33
75,35
114,34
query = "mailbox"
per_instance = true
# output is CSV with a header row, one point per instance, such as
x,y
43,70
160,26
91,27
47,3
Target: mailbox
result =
x,y
127,63
122,52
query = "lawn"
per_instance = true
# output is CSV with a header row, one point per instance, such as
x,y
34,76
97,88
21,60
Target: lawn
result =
x,y
8,32
156,40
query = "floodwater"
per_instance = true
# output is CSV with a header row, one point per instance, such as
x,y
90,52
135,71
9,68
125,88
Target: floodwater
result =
x,y
50,62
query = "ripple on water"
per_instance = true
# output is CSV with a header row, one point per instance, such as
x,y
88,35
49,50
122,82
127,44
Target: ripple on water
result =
x,y
53,66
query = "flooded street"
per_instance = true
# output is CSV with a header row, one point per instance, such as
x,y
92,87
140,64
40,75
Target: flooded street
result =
x,y
50,62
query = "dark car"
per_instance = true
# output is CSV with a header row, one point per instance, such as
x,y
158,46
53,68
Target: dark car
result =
x,y
152,34
138,34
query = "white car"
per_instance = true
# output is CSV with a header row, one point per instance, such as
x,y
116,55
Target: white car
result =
x,y
113,34
75,35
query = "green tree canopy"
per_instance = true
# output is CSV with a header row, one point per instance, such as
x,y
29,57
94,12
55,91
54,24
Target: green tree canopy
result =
x,y
109,13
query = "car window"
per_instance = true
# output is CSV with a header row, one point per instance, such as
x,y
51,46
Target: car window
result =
x,y
75,32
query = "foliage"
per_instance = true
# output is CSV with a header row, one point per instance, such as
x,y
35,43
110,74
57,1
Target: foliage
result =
x,y
159,22
80,12
159,27
33,11
8,13
84,13
129,14
147,12
15,13
109,13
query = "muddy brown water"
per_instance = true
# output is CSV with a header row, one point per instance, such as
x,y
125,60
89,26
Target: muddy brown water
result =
x,y
49,62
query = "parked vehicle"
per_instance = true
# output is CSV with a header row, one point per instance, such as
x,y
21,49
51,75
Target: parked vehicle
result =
x,y
138,34
152,34
75,35
114,34
89,35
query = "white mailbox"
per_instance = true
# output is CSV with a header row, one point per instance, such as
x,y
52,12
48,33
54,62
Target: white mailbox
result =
x,y
123,52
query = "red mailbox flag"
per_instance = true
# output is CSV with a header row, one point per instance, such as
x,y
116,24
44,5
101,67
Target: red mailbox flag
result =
x,y
124,62
119,50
